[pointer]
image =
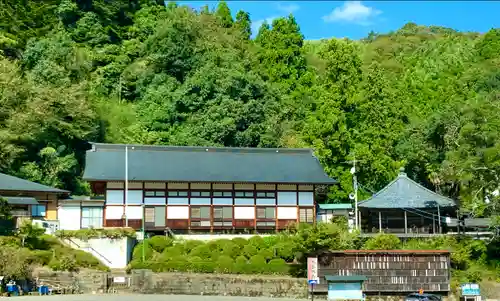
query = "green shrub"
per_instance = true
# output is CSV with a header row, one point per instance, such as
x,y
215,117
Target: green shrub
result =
x,y
159,243
10,241
177,264
85,234
191,244
284,250
68,263
139,265
240,242
266,254
173,251
41,257
224,265
258,242
250,250
383,241
55,264
231,250
148,251
257,264
87,260
277,266
202,251
241,265
201,265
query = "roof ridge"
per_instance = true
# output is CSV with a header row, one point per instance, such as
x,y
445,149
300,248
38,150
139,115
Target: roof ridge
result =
x,y
31,183
109,146
404,176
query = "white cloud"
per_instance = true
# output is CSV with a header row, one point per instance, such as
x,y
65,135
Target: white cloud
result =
x,y
353,12
258,23
288,9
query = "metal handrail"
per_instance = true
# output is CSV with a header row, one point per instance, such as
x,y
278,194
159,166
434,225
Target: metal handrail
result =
x,y
91,248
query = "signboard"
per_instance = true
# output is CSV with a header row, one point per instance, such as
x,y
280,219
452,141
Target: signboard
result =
x,y
470,289
312,270
119,279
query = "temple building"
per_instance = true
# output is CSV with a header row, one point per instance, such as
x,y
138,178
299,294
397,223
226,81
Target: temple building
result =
x,y
202,189
406,209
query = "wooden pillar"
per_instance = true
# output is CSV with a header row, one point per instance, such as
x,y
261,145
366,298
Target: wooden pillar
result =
x,y
359,222
406,223
433,224
380,221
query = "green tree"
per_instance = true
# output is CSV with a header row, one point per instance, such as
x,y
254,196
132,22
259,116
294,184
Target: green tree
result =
x,y
223,14
243,24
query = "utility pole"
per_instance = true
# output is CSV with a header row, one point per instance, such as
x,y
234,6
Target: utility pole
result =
x,y
126,184
357,223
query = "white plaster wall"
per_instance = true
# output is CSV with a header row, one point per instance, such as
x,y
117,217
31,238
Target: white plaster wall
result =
x,y
133,212
177,212
114,212
114,253
287,213
69,216
244,212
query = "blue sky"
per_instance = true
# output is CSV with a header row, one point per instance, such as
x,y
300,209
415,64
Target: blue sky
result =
x,y
355,19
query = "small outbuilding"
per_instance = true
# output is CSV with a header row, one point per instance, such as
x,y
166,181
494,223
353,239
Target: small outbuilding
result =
x,y
345,287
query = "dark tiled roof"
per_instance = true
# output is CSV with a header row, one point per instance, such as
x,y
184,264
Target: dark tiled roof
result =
x,y
16,200
10,183
203,164
403,192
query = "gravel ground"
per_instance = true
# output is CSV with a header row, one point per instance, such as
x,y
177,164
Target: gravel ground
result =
x,y
136,297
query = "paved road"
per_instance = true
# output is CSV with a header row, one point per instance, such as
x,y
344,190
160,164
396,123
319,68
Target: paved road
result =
x,y
136,297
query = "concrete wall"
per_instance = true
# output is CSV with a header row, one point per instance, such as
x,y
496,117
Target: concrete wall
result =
x,y
114,253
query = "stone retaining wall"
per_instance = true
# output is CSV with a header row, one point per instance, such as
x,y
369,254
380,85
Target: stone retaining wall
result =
x,y
147,282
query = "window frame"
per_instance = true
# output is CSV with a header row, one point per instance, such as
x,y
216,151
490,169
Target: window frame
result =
x,y
265,218
100,218
200,208
266,196
199,193
230,194
155,193
312,215
244,192
223,218
39,211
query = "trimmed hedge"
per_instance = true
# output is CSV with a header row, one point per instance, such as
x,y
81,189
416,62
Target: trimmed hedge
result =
x,y
86,234
240,256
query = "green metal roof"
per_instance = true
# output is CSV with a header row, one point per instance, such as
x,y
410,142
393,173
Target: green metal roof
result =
x,y
106,162
10,183
334,206
353,278
403,192
15,200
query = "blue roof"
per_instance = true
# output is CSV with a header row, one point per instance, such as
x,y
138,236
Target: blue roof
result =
x,y
106,162
403,192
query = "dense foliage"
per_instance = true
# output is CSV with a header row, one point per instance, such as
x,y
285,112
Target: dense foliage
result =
x,y
144,72
29,247
286,253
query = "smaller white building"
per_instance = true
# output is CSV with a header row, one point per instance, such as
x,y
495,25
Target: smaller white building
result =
x,y
326,212
80,212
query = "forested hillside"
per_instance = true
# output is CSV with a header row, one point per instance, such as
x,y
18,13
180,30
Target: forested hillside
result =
x,y
121,71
